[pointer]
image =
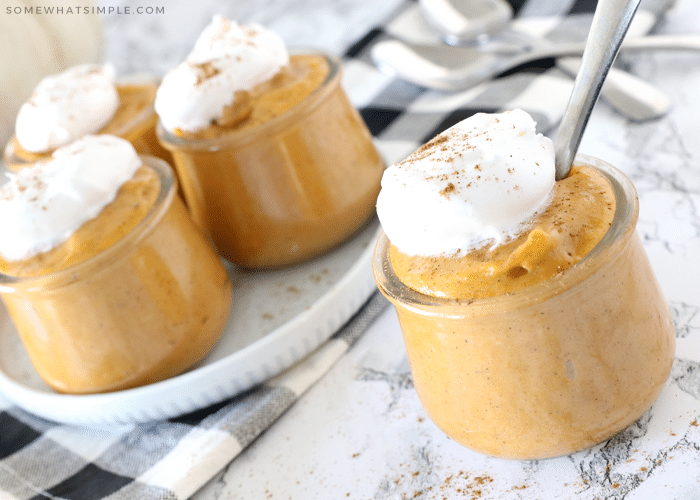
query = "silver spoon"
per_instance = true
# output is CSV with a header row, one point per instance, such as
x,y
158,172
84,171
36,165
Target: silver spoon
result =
x,y
448,68
466,21
610,23
475,22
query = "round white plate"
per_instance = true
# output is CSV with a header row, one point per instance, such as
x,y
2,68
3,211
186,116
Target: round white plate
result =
x,y
277,318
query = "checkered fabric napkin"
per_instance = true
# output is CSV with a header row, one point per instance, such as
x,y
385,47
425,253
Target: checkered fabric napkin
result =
x,y
167,460
172,459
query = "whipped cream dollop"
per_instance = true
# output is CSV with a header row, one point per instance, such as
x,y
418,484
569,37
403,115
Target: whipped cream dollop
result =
x,y
480,181
66,106
226,58
43,205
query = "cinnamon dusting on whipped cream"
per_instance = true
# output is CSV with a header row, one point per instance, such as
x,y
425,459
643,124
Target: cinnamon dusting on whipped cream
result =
x,y
481,180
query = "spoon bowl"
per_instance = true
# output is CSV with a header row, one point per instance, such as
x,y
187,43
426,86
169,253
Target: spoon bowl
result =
x,y
466,21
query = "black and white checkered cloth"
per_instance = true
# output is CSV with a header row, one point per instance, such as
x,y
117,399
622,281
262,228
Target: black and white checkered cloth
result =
x,y
172,459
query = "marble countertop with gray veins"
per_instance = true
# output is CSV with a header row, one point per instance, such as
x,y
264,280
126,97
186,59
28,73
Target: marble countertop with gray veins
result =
x,y
361,433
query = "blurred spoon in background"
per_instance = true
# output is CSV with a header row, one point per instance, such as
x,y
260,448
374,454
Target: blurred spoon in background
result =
x,y
466,21
630,95
448,68
486,25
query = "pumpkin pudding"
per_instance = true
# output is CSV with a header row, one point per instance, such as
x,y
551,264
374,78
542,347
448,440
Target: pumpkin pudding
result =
x,y
579,214
106,279
49,119
276,164
267,100
533,329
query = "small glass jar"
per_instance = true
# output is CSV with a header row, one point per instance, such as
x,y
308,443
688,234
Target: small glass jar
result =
x,y
143,310
140,131
288,189
551,369
135,121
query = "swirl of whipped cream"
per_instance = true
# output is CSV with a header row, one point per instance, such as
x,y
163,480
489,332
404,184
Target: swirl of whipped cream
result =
x,y
480,181
226,58
43,205
66,106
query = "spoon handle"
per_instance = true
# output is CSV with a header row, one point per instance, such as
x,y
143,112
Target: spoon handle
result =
x,y
610,22
632,96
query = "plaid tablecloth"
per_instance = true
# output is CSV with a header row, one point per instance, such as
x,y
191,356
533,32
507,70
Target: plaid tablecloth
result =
x,y
172,459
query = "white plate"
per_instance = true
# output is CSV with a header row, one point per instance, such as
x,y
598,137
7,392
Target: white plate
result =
x,y
277,318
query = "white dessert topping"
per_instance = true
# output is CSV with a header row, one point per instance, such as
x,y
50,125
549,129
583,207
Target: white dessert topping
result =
x,y
480,181
66,106
226,58
42,205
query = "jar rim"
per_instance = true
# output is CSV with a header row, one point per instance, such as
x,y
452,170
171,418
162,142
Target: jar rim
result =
x,y
72,273
618,235
173,142
139,121
148,113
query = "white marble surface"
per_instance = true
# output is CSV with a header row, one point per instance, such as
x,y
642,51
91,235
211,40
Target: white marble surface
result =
x,y
155,43
361,433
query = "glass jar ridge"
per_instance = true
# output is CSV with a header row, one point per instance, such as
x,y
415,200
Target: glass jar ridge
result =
x,y
550,369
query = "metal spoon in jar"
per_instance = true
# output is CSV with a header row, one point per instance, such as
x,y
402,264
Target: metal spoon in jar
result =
x,y
610,22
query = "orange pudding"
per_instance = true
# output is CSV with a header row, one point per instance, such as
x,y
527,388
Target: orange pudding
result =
x,y
287,173
134,296
581,211
135,120
545,345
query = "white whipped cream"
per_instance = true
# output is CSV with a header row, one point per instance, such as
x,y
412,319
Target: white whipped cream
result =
x,y
42,205
66,106
481,180
226,58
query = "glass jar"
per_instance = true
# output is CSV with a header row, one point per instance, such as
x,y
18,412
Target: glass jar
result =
x,y
139,130
288,189
143,310
135,120
551,369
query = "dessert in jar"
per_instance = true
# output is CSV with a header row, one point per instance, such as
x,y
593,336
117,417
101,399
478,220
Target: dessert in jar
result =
x,y
84,100
276,164
532,319
107,280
